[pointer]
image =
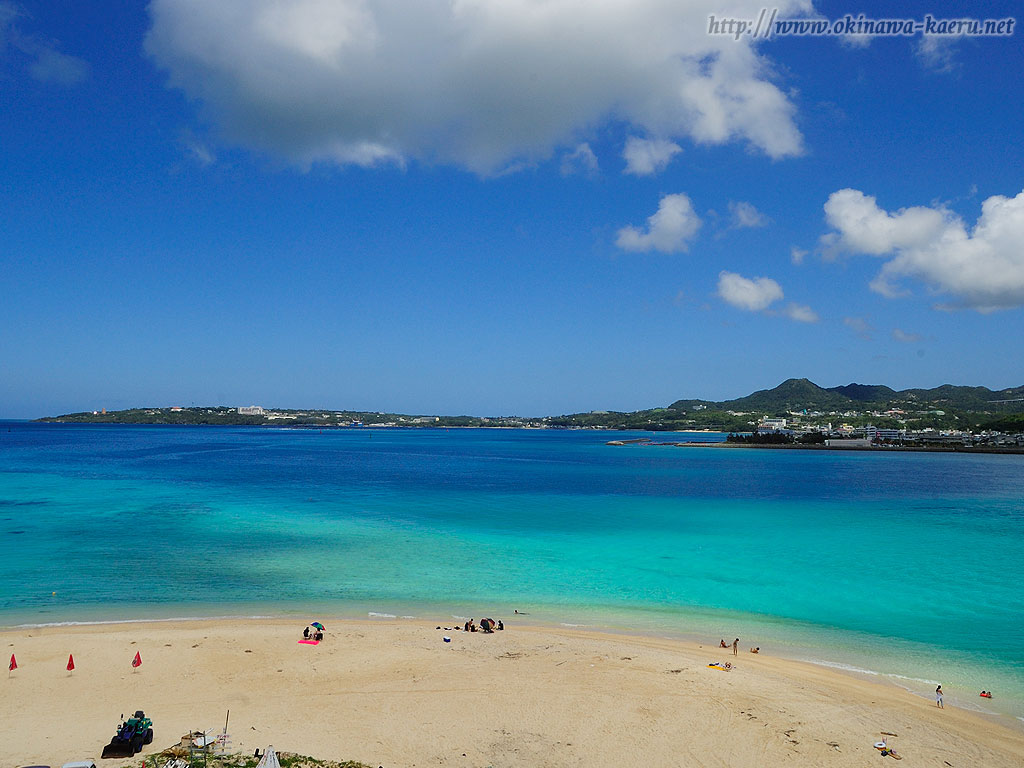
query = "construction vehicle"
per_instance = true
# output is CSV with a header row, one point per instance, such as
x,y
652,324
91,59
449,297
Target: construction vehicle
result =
x,y
132,734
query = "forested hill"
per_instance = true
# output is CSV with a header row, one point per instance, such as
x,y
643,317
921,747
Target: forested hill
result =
x,y
802,394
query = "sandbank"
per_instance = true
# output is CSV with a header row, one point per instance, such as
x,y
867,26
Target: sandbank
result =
x,y
392,693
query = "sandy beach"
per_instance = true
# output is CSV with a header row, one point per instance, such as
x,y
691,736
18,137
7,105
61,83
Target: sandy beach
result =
x,y
392,693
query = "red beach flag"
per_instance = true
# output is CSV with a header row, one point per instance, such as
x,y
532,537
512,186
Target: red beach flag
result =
x,y
71,662
137,661
13,665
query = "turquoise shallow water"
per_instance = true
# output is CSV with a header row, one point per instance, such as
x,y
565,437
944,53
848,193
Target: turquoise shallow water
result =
x,y
900,565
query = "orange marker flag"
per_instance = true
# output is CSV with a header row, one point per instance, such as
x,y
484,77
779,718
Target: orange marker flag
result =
x,y
71,662
137,661
13,665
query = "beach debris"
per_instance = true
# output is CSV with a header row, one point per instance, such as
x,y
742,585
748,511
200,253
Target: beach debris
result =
x,y
886,733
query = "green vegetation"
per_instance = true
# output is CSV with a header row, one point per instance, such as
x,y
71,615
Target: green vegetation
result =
x,y
857,405
1013,423
801,394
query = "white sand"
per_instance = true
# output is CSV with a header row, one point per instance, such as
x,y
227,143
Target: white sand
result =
x,y
391,693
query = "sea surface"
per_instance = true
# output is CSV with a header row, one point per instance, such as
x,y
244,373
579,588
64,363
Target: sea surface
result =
x,y
904,567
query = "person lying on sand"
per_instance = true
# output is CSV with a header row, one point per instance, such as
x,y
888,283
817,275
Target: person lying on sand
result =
x,y
756,650
721,643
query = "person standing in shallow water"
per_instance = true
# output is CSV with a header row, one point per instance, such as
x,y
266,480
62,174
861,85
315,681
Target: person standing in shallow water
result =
x,y
736,647
938,697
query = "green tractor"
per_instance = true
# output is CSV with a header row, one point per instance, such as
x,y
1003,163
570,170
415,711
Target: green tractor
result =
x,y
131,735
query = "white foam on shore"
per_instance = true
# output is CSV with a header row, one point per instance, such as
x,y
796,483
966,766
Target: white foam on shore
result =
x,y
574,626
862,671
99,623
382,615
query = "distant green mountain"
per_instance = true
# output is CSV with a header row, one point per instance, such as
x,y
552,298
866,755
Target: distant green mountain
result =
x,y
792,395
802,394
865,393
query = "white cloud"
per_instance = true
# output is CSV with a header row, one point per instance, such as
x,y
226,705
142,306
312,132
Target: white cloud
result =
x,y
646,157
797,255
856,39
580,160
982,267
479,84
936,52
860,326
800,312
45,63
52,66
199,151
745,215
669,230
906,338
749,294
866,228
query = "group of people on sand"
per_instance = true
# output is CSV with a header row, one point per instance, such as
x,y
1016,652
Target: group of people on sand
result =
x,y
736,646
316,634
486,625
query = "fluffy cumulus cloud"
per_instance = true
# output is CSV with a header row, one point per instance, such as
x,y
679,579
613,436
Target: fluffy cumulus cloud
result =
x,y
981,267
745,215
751,294
481,84
669,230
646,157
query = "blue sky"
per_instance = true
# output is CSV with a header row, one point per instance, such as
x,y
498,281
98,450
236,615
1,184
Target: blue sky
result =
x,y
515,208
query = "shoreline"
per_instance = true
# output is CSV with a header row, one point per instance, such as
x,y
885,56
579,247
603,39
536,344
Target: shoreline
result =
x,y
827,448
907,665
535,695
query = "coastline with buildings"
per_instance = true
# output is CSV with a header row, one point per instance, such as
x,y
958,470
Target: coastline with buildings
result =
x,y
797,413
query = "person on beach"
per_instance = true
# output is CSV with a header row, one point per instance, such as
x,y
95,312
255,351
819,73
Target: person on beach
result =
x,y
736,647
305,633
501,625
756,650
938,697
722,644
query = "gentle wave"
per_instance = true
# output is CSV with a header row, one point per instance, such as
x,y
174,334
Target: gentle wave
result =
x,y
137,621
862,671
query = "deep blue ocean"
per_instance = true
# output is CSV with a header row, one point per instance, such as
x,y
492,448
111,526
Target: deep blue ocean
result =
x,y
905,566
